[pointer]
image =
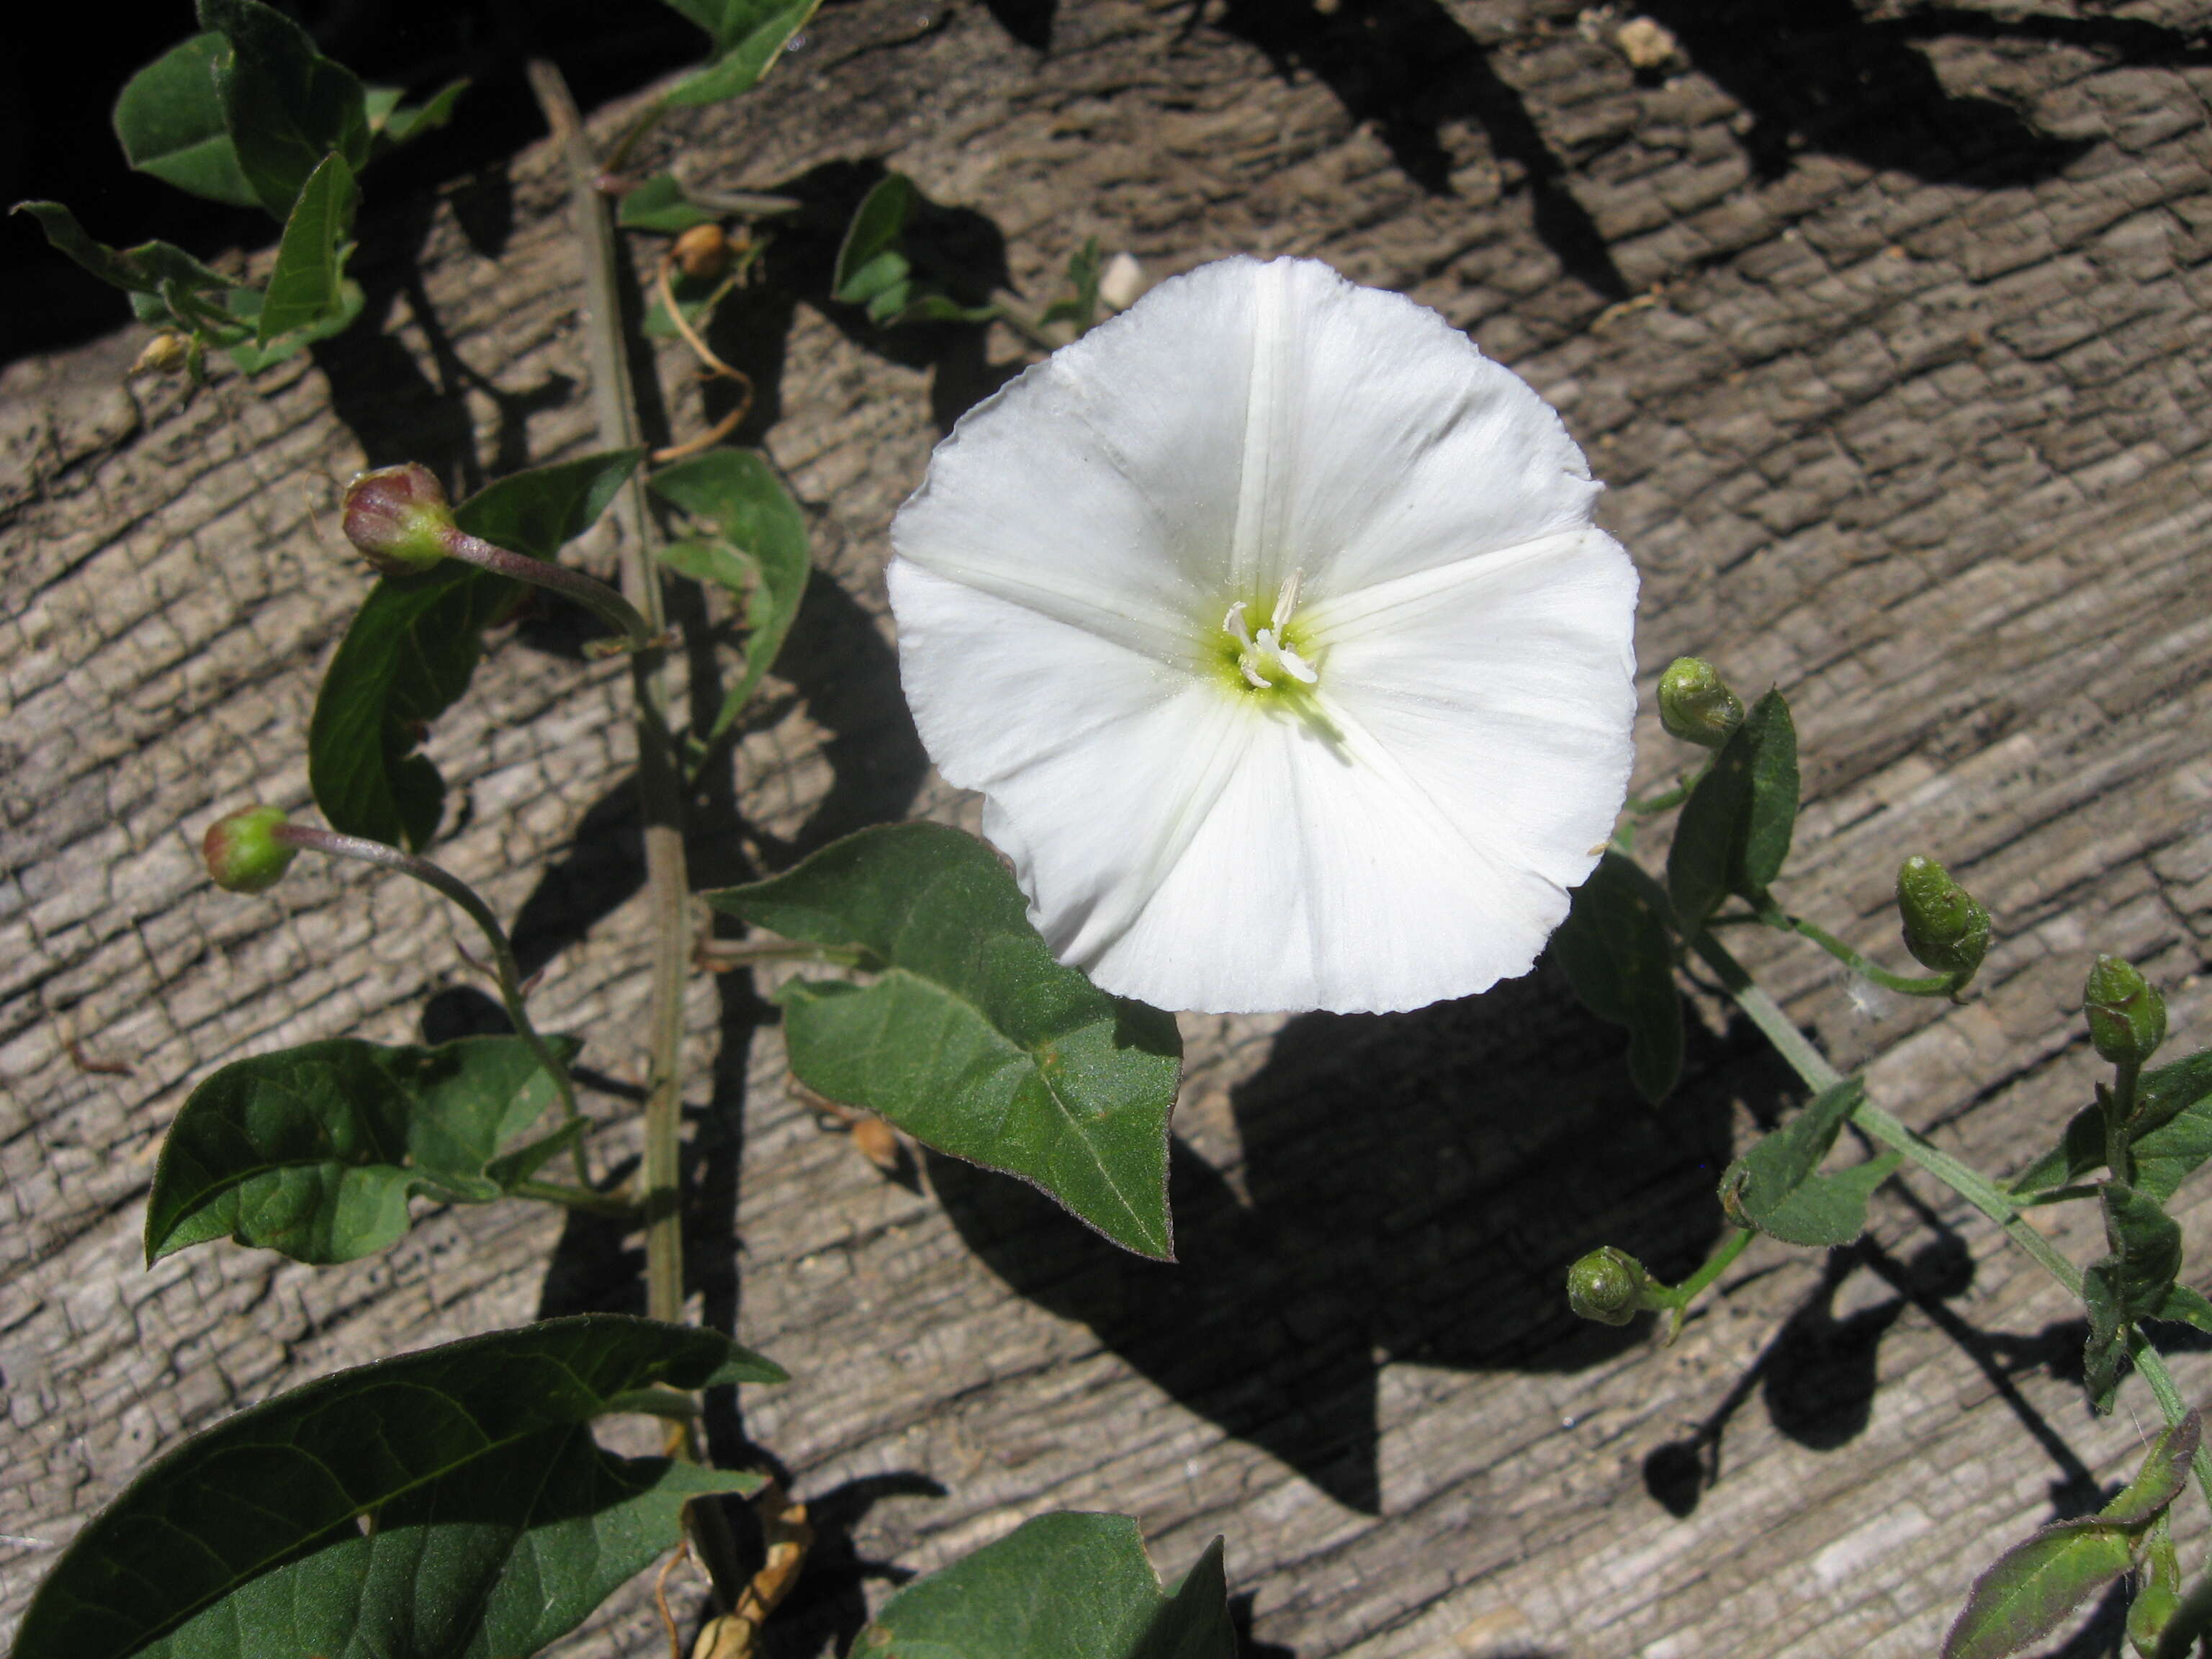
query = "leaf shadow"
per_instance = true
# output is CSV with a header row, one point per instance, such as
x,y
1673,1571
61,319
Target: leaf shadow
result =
x,y
1400,1183
1821,75
1407,67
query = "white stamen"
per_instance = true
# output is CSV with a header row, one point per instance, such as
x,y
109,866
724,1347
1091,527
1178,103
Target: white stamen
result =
x,y
1287,599
1252,674
1234,622
1295,666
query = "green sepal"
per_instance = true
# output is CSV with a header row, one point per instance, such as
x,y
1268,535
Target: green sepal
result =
x,y
1617,949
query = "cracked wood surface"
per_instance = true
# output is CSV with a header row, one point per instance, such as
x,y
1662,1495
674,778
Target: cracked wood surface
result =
x,y
1900,380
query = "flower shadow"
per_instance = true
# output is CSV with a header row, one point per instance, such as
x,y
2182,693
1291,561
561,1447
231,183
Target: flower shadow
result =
x,y
1414,1188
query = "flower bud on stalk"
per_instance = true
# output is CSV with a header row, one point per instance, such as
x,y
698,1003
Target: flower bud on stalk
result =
x,y
242,851
166,353
703,253
398,518
1696,705
2127,1017
1946,928
1611,1287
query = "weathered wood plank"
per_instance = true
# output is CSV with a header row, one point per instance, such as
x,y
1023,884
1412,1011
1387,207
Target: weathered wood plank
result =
x,y
1914,424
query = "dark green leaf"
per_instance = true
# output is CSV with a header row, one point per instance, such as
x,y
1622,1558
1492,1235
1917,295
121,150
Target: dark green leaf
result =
x,y
1617,949
314,1151
2105,1352
2184,1306
878,228
252,357
749,37
170,122
659,204
141,270
1734,833
393,123
1193,1623
493,1522
974,1040
1827,1210
541,511
2034,1587
414,645
304,284
2163,1476
756,523
2145,1250
1079,311
1755,1185
1059,1587
286,106
2172,1133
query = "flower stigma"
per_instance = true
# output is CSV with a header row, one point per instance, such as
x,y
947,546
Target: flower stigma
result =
x,y
1265,657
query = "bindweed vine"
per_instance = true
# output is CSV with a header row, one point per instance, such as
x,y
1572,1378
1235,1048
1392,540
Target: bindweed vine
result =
x,y
1271,621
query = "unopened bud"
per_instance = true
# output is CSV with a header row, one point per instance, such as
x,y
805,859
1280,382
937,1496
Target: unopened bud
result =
x,y
242,852
1946,928
702,252
2127,1018
398,518
1610,1286
1695,703
1122,282
166,353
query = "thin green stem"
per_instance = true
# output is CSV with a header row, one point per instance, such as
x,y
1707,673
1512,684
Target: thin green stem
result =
x,y
1811,1066
577,1197
1028,330
505,970
1915,985
1643,806
728,955
1718,1262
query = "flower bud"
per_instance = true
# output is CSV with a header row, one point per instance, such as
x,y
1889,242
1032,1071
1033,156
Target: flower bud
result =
x,y
2127,1018
1609,1286
1945,928
702,252
398,518
242,852
1695,703
166,353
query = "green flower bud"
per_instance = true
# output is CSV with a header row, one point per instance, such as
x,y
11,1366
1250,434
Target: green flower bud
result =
x,y
398,518
2127,1018
242,852
1945,928
1609,1286
1695,703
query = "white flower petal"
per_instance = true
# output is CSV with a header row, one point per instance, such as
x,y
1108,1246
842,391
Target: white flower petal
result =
x,y
1192,825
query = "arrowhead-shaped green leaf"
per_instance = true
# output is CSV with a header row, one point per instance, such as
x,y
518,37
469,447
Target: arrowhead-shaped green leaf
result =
x,y
169,119
1733,833
413,647
1060,1587
759,549
1617,948
2034,1587
2173,1135
446,1505
285,105
973,1039
660,203
304,285
2164,1476
749,36
314,1151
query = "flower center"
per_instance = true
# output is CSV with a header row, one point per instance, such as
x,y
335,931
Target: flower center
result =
x,y
1265,659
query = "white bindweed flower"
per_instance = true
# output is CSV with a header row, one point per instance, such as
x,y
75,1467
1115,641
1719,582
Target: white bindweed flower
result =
x,y
1269,619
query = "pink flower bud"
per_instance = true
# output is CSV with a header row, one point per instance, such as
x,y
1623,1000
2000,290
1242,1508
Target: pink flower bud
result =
x,y
398,518
242,852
